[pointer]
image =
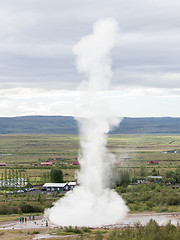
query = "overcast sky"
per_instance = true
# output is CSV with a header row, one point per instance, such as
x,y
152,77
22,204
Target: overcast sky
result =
x,y
37,66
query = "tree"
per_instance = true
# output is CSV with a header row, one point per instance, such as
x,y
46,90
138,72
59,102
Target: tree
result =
x,y
23,181
56,176
5,178
124,178
13,179
20,180
16,178
9,179
154,172
143,172
2,180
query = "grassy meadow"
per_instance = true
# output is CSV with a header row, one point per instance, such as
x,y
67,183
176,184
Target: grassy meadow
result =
x,y
25,152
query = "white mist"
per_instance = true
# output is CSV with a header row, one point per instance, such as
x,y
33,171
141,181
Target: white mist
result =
x,y
93,203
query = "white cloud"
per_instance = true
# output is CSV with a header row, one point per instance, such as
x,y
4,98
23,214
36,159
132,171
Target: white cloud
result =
x,y
36,40
131,102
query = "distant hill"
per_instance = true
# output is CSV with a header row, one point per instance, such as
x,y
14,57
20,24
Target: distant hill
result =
x,y
38,124
149,125
68,125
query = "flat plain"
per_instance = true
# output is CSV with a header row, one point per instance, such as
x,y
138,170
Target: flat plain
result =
x,y
23,153
27,151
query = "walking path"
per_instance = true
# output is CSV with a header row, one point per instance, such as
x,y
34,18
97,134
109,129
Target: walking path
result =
x,y
131,219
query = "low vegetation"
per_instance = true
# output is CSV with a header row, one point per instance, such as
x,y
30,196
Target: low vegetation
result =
x,y
151,231
150,197
30,203
24,153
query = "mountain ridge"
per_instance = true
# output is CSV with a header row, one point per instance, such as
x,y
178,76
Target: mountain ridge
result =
x,y
68,125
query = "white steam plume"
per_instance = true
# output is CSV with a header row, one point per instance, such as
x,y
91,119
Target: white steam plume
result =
x,y
93,203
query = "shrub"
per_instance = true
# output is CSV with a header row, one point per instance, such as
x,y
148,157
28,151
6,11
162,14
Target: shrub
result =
x,y
124,178
98,235
162,209
86,230
1,232
34,232
173,200
150,232
26,208
114,235
70,229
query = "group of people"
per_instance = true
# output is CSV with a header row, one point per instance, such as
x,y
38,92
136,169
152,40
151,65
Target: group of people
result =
x,y
24,219
44,222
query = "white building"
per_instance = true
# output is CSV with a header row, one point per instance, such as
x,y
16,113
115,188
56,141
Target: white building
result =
x,y
60,187
72,185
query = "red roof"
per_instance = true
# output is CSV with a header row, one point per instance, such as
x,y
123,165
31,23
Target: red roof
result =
x,y
154,161
75,163
46,163
2,164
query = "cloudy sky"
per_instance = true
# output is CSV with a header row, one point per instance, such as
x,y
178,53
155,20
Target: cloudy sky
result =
x,y
38,75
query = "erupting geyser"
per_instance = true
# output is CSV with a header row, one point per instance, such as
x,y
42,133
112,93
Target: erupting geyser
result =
x,y
93,203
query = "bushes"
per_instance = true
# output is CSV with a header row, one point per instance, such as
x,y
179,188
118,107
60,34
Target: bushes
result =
x,y
173,176
150,197
28,208
173,200
71,230
150,232
6,209
114,235
20,203
124,178
34,232
17,208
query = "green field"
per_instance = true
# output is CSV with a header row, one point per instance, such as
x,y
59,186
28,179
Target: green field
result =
x,y
26,151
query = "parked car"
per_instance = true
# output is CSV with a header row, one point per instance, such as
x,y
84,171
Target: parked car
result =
x,y
20,191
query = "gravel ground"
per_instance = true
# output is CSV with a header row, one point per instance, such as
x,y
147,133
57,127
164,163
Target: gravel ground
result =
x,y
21,230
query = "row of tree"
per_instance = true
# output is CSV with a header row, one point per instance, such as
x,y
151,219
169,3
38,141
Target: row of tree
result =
x,y
124,177
13,179
55,176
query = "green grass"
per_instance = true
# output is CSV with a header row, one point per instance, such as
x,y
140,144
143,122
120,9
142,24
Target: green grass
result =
x,y
24,152
29,150
151,197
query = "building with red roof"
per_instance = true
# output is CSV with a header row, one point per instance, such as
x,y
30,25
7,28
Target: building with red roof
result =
x,y
3,164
